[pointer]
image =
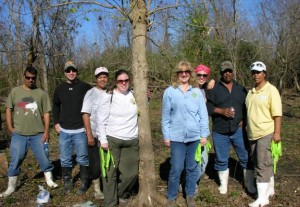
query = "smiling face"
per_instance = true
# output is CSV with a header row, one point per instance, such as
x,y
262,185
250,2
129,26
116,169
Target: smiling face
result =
x,y
202,77
227,75
101,81
184,74
122,83
71,74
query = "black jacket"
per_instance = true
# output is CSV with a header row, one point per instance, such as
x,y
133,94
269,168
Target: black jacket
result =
x,y
220,97
67,104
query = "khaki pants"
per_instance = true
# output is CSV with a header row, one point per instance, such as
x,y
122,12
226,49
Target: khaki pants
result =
x,y
261,155
121,179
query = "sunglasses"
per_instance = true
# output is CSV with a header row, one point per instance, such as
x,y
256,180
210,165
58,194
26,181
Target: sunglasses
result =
x,y
257,64
202,75
183,71
227,71
122,81
68,70
30,78
254,72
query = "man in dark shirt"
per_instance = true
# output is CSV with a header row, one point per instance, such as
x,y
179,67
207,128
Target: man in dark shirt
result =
x,y
226,105
67,104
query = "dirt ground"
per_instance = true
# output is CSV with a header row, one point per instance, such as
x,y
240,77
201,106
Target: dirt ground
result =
x,y
287,179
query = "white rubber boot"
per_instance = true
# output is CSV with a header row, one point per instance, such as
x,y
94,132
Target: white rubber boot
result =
x,y
98,194
271,186
263,195
223,176
249,181
49,180
12,183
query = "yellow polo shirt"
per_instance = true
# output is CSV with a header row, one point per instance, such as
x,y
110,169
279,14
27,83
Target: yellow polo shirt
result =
x,y
262,106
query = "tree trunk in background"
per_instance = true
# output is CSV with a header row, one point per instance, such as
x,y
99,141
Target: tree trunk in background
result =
x,y
147,178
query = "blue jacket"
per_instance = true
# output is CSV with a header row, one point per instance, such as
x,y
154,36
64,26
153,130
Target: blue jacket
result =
x,y
184,115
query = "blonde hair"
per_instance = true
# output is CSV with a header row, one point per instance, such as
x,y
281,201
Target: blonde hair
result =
x,y
175,79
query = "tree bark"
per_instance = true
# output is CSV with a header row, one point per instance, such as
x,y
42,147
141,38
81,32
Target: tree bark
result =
x,y
147,177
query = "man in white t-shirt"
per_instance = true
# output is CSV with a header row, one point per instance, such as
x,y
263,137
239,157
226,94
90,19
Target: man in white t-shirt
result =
x,y
89,108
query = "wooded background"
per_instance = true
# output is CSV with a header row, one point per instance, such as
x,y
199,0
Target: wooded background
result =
x,y
45,32
148,38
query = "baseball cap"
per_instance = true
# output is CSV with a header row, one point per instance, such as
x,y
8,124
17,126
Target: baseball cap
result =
x,y
70,64
101,70
226,65
258,66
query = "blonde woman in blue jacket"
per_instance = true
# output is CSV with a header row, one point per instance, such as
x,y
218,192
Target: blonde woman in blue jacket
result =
x,y
184,124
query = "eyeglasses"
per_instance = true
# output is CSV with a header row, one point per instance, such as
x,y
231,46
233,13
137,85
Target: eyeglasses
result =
x,y
30,78
254,72
68,70
227,71
183,71
257,64
202,75
122,81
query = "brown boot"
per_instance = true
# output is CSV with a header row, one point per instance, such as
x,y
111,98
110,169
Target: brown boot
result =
x,y
190,202
171,203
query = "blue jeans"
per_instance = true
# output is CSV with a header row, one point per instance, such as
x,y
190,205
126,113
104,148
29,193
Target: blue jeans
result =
x,y
201,167
19,145
183,155
70,141
222,144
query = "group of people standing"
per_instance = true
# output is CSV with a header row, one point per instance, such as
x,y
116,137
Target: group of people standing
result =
x,y
77,108
235,112
89,119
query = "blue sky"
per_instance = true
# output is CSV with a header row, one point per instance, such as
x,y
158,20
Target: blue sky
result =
x,y
89,28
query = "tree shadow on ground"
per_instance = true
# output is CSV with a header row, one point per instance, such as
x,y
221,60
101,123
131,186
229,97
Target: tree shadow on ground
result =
x,y
236,171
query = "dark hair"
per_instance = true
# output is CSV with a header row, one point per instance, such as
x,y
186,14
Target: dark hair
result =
x,y
31,69
102,73
120,72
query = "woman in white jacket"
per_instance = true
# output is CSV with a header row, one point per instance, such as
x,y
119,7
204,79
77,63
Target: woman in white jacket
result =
x,y
118,134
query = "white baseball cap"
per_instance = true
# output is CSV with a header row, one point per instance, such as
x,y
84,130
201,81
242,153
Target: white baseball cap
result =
x,y
258,66
101,70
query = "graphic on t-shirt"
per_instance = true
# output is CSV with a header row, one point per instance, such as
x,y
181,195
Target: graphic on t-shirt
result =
x,y
28,103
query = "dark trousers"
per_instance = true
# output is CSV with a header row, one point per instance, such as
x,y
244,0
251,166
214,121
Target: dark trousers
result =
x,y
121,179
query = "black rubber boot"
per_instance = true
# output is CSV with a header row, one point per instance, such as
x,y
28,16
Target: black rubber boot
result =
x,y
84,178
67,180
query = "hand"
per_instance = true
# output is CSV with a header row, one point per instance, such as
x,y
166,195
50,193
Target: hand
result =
x,y
45,137
228,113
104,146
203,141
167,142
241,124
211,84
91,141
276,137
57,128
10,131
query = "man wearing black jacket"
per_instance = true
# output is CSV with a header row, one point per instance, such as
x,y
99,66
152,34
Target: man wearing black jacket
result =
x,y
226,105
67,104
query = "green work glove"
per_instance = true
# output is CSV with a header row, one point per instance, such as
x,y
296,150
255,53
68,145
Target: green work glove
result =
x,y
276,151
106,158
208,146
198,154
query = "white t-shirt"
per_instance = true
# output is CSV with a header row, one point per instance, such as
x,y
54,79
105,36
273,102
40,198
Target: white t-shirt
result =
x,y
117,117
91,100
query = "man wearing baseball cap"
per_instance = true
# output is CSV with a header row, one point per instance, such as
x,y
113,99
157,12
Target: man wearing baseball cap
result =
x,y
92,99
67,104
226,105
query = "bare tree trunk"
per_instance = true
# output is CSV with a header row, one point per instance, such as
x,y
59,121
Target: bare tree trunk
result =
x,y
147,179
